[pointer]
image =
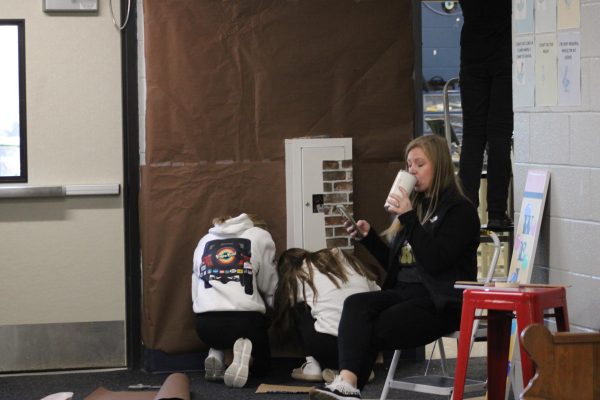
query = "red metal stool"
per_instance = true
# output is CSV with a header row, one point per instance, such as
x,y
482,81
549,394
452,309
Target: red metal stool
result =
x,y
529,305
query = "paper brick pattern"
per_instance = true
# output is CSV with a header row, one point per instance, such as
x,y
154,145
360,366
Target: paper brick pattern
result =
x,y
337,189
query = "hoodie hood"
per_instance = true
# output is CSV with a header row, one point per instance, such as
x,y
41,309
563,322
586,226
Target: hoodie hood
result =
x,y
233,226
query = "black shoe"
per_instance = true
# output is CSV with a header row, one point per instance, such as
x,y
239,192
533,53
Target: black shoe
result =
x,y
503,223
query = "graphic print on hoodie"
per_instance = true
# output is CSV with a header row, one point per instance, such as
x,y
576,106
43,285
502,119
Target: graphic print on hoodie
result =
x,y
227,260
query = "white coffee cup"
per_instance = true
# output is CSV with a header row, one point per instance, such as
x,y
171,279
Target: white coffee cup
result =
x,y
404,180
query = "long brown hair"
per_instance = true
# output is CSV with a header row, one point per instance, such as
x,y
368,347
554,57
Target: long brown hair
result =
x,y
437,152
293,278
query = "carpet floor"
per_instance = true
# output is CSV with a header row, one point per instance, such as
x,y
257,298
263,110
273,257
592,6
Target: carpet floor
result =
x,y
82,383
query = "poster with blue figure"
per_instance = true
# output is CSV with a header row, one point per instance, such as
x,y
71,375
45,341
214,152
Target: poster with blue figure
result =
x,y
524,71
522,16
527,229
524,249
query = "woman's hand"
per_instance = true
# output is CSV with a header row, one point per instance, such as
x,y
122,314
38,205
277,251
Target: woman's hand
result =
x,y
399,204
359,231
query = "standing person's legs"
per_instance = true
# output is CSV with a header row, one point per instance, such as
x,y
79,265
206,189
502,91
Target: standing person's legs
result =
x,y
474,93
319,345
500,131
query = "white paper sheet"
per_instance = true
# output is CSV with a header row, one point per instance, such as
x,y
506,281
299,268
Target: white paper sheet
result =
x,y
569,68
522,16
524,71
545,16
569,15
545,70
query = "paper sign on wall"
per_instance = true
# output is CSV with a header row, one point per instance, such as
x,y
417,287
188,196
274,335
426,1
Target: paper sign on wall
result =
x,y
569,68
522,16
545,70
569,16
545,16
524,72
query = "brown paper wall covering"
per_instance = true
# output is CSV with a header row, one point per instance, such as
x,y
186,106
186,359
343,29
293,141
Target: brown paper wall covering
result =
x,y
227,82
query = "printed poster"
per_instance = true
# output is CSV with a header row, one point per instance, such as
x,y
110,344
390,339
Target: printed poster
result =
x,y
527,232
528,228
569,15
522,16
545,16
545,70
524,72
569,68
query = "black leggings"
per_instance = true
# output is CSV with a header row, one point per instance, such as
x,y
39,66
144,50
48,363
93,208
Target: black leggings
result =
x,y
398,318
486,93
220,330
322,346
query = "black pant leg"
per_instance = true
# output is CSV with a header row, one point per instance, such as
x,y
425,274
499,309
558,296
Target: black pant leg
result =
x,y
499,133
413,323
355,334
403,317
220,330
322,346
474,91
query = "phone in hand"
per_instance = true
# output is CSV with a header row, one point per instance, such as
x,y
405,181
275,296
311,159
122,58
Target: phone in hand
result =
x,y
344,211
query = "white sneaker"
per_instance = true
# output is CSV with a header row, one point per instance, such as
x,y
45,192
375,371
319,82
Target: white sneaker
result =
x,y
309,371
330,374
339,389
236,375
214,367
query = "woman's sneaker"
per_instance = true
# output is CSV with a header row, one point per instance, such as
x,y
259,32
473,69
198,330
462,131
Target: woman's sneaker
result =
x,y
339,389
329,375
236,375
214,369
309,371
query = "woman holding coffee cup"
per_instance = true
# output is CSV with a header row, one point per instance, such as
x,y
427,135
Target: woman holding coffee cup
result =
x,y
431,243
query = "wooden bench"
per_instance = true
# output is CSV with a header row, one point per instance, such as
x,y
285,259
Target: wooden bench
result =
x,y
567,364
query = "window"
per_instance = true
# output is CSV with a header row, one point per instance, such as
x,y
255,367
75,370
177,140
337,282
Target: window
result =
x,y
13,150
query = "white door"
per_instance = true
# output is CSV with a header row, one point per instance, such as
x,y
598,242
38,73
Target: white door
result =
x,y
62,259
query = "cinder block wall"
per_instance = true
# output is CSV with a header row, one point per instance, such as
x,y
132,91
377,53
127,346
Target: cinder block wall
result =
x,y
566,141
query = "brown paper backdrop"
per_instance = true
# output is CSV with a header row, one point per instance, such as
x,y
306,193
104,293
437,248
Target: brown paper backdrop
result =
x,y
227,82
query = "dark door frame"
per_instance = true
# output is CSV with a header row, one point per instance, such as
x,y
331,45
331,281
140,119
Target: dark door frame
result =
x,y
131,185
417,68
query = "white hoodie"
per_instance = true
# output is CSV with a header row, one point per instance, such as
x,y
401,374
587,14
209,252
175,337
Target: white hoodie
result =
x,y
234,268
326,306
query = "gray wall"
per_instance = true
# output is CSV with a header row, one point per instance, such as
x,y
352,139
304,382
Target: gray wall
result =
x,y
566,141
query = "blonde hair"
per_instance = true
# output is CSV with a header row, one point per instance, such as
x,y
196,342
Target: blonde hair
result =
x,y
259,223
437,152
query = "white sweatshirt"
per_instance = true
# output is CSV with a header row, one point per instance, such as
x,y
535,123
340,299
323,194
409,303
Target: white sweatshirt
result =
x,y
327,309
234,268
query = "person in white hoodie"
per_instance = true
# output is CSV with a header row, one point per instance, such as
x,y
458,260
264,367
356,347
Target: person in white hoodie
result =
x,y
309,299
233,281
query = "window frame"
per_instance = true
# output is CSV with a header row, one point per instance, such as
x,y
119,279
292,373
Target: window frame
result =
x,y
23,177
